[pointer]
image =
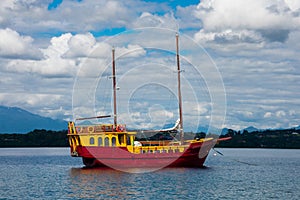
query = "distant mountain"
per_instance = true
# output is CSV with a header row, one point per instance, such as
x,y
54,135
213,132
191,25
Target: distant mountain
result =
x,y
224,131
298,127
17,120
207,129
250,129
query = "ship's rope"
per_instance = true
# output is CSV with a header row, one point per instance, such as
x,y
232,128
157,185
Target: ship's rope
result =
x,y
107,92
235,160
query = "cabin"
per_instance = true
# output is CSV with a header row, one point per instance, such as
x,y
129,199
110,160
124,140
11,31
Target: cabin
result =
x,y
104,135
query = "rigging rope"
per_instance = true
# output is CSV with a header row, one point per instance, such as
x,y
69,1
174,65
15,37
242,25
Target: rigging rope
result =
x,y
236,160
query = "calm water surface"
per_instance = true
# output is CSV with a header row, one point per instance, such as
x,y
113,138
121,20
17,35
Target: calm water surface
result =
x,y
50,173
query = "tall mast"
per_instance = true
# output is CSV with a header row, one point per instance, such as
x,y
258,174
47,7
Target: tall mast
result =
x,y
114,87
179,90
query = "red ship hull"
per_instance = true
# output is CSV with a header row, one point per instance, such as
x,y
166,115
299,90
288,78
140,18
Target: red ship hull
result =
x,y
118,157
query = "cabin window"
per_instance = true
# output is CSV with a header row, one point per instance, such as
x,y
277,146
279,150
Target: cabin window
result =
x,y
128,140
121,139
113,141
92,140
100,141
106,141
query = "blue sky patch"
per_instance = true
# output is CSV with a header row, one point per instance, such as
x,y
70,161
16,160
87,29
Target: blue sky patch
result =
x,y
108,32
54,4
174,3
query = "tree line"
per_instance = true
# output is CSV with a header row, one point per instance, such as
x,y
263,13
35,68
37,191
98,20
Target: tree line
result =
x,y
287,138
35,138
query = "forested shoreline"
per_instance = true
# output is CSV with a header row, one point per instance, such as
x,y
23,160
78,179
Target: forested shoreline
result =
x,y
35,138
284,139
287,139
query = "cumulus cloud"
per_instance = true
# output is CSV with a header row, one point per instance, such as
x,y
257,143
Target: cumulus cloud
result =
x,y
14,45
80,45
229,36
280,113
247,20
5,7
267,114
58,46
147,19
254,44
83,16
53,63
186,19
131,50
63,56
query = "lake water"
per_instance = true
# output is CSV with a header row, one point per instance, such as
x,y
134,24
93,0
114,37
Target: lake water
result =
x,y
50,173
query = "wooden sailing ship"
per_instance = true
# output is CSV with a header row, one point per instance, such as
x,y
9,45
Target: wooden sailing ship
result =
x,y
112,145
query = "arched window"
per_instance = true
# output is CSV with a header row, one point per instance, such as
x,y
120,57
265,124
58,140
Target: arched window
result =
x,y
92,140
121,138
100,141
106,141
113,141
128,141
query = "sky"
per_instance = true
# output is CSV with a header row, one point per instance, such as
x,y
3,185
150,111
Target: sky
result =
x,y
238,56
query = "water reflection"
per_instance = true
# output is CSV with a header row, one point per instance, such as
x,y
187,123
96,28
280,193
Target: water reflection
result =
x,y
102,183
106,183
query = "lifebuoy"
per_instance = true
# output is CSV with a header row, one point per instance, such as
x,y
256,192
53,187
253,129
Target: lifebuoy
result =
x,y
91,129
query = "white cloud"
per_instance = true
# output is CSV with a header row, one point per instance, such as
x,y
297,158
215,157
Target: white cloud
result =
x,y
235,14
280,114
293,5
58,46
5,7
13,45
147,19
70,16
273,20
267,114
80,45
130,51
257,57
186,19
229,36
61,57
